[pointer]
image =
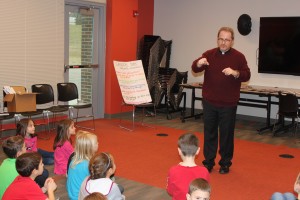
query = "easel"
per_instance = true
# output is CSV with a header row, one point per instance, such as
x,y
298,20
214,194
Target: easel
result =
x,y
134,88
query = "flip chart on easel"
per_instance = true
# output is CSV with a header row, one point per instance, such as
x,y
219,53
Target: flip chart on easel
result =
x,y
132,82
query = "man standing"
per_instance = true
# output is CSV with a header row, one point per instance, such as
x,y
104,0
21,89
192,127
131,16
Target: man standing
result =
x,y
224,69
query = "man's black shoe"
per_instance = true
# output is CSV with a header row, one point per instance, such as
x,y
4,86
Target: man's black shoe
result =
x,y
224,170
209,168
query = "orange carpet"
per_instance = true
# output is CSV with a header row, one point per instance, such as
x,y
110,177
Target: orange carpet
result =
x,y
142,156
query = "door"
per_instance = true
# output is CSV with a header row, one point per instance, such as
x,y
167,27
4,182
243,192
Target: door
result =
x,y
84,52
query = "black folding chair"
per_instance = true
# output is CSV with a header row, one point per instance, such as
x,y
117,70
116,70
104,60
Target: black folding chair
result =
x,y
45,102
287,108
68,92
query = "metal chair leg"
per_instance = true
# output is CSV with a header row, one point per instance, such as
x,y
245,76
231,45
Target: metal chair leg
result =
x,y
91,116
47,136
133,115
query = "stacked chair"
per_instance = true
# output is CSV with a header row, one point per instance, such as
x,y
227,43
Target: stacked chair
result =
x,y
169,88
163,81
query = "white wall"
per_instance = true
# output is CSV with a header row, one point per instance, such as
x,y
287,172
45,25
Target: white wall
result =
x,y
31,42
193,26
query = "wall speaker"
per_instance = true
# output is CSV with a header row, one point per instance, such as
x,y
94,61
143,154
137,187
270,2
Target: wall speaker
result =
x,y
244,24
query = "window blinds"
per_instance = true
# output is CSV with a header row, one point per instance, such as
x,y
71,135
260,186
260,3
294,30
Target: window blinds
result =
x,y
31,42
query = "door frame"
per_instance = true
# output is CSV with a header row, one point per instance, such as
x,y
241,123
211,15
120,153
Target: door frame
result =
x,y
98,84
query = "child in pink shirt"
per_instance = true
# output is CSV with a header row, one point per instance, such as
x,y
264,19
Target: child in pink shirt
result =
x,y
63,145
26,128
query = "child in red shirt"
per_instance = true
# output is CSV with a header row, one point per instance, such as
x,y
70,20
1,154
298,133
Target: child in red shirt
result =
x,y
181,175
29,166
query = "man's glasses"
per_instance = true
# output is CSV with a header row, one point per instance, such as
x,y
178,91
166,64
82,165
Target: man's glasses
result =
x,y
224,40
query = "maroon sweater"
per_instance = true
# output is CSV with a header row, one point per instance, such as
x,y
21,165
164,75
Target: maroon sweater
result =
x,y
219,89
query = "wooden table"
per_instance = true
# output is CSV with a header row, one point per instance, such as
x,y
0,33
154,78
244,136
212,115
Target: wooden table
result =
x,y
264,101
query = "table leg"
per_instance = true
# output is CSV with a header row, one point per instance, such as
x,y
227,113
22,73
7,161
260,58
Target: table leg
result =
x,y
192,114
268,119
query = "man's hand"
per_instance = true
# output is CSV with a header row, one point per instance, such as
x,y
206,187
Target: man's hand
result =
x,y
201,62
228,71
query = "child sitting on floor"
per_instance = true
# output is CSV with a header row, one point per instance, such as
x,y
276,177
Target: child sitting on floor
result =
x,y
86,146
199,189
63,145
29,166
101,167
288,195
180,176
95,196
26,128
12,147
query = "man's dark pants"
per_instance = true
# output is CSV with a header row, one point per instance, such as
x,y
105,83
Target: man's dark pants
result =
x,y
218,120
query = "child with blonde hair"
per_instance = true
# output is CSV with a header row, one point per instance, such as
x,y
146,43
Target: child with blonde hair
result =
x,y
63,145
101,167
86,146
199,189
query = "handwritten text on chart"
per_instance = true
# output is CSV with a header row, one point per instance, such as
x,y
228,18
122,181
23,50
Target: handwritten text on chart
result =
x,y
132,81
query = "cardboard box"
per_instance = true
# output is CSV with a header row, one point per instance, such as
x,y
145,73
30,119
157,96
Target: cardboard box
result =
x,y
21,101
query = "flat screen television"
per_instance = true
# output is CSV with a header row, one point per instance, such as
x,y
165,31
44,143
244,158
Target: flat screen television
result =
x,y
279,45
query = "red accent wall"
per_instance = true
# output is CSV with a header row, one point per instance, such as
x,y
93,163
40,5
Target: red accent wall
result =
x,y
145,18
123,32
